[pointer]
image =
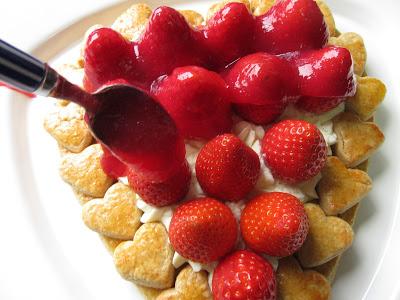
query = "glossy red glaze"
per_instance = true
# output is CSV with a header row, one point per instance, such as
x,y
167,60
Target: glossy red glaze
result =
x,y
168,42
197,100
144,136
138,131
318,105
261,79
228,34
112,166
327,72
290,25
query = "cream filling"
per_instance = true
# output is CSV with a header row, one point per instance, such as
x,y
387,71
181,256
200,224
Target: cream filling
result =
x,y
252,135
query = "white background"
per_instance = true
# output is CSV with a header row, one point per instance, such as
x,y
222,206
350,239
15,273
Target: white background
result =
x,y
33,266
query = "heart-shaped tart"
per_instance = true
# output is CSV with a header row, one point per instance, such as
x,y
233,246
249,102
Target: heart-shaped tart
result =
x,y
327,238
262,81
147,260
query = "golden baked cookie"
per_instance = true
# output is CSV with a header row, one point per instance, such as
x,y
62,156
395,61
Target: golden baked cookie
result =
x,y
84,173
356,140
341,188
116,216
147,260
327,238
296,284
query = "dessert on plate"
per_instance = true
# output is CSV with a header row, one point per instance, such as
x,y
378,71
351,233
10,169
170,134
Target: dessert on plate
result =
x,y
249,184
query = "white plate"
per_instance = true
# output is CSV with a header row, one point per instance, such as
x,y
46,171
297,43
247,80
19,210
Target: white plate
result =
x,y
47,253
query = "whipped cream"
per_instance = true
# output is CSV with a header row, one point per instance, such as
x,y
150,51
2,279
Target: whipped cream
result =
x,y
251,135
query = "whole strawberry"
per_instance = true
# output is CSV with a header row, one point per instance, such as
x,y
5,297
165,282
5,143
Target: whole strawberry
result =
x,y
294,150
274,223
161,193
197,100
244,275
318,105
203,230
227,168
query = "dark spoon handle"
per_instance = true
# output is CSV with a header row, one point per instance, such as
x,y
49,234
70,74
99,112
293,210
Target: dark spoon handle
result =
x,y
25,72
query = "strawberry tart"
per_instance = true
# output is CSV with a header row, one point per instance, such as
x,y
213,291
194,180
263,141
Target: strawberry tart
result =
x,y
244,182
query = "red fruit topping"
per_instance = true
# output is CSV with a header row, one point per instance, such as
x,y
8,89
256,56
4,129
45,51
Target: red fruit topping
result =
x,y
203,230
197,101
227,168
138,131
167,43
318,105
244,275
326,73
161,193
294,150
111,165
108,56
258,114
274,223
228,34
261,79
291,25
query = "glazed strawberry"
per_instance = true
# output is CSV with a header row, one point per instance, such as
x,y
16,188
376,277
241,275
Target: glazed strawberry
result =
x,y
244,275
274,223
326,73
197,100
228,34
227,168
318,105
261,79
108,56
291,25
167,43
294,150
164,192
111,165
258,114
203,230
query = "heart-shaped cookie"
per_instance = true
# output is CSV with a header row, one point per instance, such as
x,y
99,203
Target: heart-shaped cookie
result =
x,y
327,237
189,285
84,173
296,284
66,125
133,21
260,7
147,260
356,140
341,188
115,216
192,17
355,44
329,268
370,94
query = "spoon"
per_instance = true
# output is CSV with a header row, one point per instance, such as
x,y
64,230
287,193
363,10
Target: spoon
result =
x,y
125,119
